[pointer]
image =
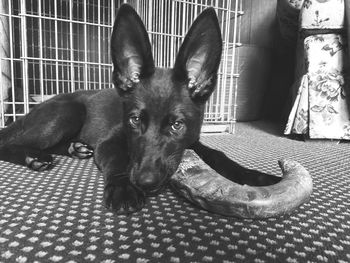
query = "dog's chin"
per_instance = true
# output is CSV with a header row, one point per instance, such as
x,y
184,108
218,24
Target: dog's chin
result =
x,y
154,192
150,192
158,190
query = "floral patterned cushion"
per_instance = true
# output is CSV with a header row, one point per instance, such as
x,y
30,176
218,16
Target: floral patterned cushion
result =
x,y
295,3
329,117
322,14
324,53
320,108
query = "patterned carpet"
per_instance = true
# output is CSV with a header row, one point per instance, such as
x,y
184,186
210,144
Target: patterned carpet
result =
x,y
58,216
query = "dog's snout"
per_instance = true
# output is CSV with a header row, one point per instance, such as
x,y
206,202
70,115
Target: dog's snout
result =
x,y
147,180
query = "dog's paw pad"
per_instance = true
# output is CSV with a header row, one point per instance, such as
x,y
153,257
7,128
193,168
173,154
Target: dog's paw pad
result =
x,y
37,164
80,150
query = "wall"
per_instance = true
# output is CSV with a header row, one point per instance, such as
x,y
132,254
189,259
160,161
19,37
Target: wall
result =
x,y
257,37
258,22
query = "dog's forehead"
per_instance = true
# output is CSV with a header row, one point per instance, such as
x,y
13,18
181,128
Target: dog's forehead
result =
x,y
161,94
160,88
162,83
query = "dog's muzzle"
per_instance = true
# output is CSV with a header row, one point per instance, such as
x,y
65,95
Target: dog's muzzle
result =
x,y
148,181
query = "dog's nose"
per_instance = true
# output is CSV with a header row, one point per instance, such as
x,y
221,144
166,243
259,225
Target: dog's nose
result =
x,y
147,181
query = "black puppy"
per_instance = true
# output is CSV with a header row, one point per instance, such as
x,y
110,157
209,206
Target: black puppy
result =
x,y
138,131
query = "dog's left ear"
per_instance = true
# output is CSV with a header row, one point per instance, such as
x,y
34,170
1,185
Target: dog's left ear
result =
x,y
199,57
131,49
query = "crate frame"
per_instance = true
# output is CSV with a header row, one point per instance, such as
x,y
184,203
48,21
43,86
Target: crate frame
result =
x,y
58,46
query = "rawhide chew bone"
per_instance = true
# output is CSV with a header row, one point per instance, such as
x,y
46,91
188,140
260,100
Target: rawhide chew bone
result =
x,y
200,184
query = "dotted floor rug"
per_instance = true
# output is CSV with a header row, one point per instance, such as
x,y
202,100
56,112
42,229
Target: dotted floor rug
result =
x,y
58,216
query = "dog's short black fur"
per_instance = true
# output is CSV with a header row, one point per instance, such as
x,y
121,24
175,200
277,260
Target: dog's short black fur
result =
x,y
138,131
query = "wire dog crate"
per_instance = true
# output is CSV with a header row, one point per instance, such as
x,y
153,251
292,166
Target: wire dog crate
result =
x,y
59,46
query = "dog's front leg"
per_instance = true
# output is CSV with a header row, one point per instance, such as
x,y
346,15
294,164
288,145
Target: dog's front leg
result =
x,y
111,157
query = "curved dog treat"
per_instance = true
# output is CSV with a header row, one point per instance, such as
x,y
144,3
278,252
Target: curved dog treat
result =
x,y
197,182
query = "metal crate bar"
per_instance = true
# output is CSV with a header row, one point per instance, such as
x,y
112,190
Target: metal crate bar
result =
x,y
57,46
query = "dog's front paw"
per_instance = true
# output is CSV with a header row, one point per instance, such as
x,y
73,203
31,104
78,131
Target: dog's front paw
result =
x,y
80,150
122,196
39,163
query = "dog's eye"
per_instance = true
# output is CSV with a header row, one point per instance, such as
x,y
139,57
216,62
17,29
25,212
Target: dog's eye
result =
x,y
177,125
134,121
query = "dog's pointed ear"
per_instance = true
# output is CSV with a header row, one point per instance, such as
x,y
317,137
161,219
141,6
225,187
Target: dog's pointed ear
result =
x,y
199,56
131,49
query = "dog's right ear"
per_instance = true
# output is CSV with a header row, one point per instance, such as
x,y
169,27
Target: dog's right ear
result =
x,y
131,49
